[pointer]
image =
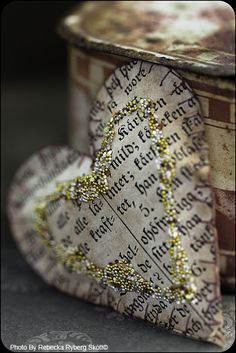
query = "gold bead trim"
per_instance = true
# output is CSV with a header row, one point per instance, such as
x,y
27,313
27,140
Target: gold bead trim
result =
x,y
120,275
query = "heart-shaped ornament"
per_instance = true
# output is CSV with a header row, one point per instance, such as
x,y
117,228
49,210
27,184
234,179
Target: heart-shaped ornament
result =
x,y
133,227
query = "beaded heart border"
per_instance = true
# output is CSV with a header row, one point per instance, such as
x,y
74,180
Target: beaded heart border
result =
x,y
120,274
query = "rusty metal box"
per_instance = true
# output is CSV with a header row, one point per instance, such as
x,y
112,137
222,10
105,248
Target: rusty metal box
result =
x,y
194,38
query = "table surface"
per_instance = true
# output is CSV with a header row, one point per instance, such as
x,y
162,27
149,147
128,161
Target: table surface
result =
x,y
32,308
31,110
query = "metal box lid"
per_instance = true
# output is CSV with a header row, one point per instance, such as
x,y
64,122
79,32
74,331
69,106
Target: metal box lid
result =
x,y
196,36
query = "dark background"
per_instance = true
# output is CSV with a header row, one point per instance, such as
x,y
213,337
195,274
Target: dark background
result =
x,y
30,44
34,84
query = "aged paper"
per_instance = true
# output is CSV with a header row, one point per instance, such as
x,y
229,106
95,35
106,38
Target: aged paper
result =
x,y
129,222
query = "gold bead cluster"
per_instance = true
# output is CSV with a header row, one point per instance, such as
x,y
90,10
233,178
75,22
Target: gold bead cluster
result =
x,y
180,269
120,275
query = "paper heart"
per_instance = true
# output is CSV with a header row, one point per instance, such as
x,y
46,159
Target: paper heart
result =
x,y
129,222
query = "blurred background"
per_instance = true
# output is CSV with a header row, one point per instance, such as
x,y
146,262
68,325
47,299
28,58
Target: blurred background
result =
x,y
34,85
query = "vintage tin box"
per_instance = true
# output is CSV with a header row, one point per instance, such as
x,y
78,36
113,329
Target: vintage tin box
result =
x,y
194,38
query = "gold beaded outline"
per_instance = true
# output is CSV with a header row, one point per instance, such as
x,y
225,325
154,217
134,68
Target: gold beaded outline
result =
x,y
120,274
